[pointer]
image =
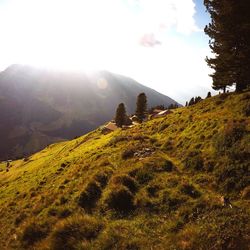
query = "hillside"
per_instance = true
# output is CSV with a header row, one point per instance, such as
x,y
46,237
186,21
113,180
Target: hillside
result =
x,y
39,107
157,185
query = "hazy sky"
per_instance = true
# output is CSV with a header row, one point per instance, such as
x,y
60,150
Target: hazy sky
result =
x,y
159,43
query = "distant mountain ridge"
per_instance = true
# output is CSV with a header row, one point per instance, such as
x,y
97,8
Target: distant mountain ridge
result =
x,y
39,107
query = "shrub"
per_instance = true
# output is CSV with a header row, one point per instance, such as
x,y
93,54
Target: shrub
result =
x,y
120,199
90,195
126,181
70,233
33,232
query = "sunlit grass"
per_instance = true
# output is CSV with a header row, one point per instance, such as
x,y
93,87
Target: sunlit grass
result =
x,y
167,206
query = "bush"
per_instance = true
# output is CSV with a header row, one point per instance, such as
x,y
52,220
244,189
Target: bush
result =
x,y
70,233
33,232
120,199
126,181
90,195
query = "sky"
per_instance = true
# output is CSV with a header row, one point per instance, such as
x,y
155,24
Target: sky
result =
x,y
159,43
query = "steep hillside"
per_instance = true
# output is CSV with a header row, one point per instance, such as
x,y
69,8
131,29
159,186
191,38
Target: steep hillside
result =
x,y
158,185
39,107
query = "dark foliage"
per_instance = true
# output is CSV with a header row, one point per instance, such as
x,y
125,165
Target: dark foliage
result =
x,y
141,106
120,117
230,42
209,94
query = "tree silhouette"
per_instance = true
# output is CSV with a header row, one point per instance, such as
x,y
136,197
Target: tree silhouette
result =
x,y
141,106
120,117
229,33
191,102
209,94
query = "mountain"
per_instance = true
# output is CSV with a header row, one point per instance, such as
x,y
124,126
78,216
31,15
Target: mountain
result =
x,y
176,182
39,107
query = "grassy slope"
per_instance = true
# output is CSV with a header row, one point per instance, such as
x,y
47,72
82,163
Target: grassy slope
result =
x,y
176,208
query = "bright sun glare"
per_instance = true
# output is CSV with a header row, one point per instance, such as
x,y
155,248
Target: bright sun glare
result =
x,y
148,40
67,34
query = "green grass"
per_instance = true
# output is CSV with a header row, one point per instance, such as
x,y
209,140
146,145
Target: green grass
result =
x,y
166,198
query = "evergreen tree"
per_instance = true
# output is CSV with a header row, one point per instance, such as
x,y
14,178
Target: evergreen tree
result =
x,y
191,102
186,104
229,33
209,94
141,106
197,99
120,117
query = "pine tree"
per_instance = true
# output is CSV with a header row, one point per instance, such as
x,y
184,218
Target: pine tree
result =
x,y
186,104
191,102
229,33
209,94
120,117
141,106
197,99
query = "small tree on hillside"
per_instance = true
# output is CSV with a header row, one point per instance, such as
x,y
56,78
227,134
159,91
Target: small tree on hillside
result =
x,y
141,106
197,99
120,117
191,102
209,94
